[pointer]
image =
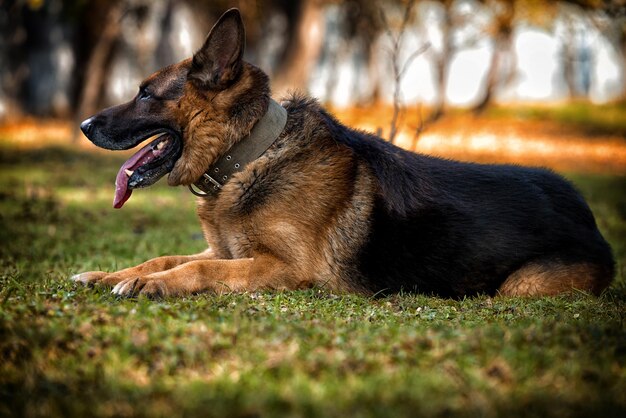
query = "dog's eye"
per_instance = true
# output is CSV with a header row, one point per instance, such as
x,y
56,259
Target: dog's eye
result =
x,y
143,94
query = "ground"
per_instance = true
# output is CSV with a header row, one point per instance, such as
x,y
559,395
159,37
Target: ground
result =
x,y
66,350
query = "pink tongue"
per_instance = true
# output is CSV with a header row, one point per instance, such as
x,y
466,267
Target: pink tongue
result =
x,y
141,157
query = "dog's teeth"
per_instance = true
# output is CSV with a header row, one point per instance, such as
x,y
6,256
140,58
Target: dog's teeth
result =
x,y
160,145
129,172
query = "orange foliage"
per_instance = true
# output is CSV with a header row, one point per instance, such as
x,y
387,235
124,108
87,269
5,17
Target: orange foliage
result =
x,y
498,140
460,136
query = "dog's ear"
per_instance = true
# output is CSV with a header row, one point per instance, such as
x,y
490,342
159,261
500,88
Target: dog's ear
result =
x,y
218,63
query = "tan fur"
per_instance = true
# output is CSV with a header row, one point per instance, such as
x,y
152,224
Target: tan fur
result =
x,y
296,217
207,128
552,278
150,266
297,239
303,225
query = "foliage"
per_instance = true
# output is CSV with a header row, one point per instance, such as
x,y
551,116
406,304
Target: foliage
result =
x,y
71,351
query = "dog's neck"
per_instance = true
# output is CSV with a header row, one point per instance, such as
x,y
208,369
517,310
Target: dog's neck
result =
x,y
248,149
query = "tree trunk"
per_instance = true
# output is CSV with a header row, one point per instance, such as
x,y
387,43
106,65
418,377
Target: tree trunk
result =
x,y
443,63
164,54
96,68
374,75
501,46
303,50
623,48
491,81
569,57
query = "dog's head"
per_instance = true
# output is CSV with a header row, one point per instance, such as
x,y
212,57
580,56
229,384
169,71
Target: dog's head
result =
x,y
198,108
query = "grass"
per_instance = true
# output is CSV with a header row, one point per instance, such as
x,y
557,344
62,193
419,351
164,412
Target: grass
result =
x,y
66,350
605,119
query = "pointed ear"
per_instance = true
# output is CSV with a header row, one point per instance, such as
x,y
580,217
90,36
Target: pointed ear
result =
x,y
218,63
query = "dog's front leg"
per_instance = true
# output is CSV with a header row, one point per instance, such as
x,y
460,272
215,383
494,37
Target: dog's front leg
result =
x,y
151,266
220,276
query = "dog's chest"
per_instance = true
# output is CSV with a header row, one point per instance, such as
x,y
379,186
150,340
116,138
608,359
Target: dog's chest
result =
x,y
238,243
230,234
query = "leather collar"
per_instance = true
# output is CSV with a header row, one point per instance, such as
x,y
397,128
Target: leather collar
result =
x,y
248,149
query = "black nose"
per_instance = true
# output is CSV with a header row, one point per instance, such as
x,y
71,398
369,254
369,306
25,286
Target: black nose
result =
x,y
86,126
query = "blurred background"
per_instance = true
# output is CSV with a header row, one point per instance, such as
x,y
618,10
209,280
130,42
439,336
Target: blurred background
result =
x,y
532,82
419,73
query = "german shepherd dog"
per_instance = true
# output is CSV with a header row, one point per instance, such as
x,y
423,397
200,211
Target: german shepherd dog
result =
x,y
324,205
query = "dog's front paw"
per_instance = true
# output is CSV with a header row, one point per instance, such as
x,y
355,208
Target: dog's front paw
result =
x,y
141,286
89,278
92,278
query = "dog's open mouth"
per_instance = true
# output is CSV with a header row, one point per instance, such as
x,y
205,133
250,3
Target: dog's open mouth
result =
x,y
146,166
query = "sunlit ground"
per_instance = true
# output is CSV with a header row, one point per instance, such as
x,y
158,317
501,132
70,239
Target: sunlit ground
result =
x,y
66,350
580,138
527,136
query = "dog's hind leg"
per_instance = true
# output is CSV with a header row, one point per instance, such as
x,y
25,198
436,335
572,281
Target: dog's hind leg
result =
x,y
151,266
553,277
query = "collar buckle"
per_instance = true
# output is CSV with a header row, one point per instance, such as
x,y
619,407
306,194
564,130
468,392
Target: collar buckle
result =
x,y
208,179
205,186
